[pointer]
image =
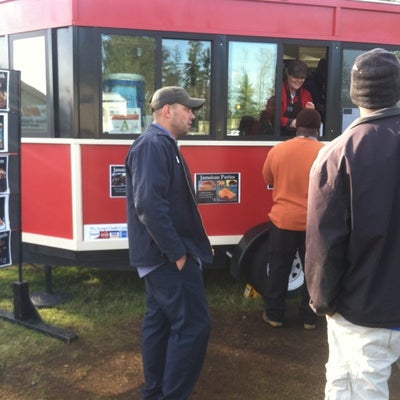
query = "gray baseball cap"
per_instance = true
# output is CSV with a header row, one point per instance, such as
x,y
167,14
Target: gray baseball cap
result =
x,y
173,95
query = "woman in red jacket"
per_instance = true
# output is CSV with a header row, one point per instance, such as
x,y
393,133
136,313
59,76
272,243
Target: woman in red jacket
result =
x,y
294,97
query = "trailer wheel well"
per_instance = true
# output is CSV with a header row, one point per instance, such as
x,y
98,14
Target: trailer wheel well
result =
x,y
250,261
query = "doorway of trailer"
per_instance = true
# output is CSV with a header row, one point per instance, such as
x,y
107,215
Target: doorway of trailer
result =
x,y
250,258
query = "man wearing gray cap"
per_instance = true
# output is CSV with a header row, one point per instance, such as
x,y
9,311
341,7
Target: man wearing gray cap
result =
x,y
353,235
167,246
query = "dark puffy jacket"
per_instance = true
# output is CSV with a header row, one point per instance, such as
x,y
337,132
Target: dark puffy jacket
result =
x,y
353,229
163,220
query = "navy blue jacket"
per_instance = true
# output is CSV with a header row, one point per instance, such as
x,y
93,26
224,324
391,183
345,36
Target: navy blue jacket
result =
x,y
163,219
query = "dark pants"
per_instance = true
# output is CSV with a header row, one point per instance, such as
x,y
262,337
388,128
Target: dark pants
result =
x,y
175,331
283,246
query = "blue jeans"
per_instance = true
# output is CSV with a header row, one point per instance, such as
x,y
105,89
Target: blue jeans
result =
x,y
175,331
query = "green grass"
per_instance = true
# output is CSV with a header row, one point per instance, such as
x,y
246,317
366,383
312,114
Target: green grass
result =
x,y
97,301
94,295
105,309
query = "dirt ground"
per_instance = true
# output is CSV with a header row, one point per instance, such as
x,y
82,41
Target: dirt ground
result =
x,y
246,360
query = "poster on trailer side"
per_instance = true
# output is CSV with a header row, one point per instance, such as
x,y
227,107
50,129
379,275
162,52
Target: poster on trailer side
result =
x,y
117,181
4,82
5,249
4,214
217,188
4,187
5,234
3,132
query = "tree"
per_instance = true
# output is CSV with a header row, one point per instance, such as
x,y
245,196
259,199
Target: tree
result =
x,y
245,98
188,64
129,54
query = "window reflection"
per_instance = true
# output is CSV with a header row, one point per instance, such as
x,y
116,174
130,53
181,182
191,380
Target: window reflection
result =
x,y
128,81
187,63
251,88
349,111
34,119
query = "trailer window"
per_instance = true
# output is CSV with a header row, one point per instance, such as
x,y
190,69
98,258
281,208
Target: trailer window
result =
x,y
187,63
251,85
129,71
29,57
128,74
349,111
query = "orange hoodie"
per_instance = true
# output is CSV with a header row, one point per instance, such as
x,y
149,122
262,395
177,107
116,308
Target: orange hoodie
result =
x,y
287,169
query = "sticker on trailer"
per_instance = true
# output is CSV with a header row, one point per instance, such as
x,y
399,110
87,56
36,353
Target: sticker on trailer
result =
x,y
218,188
105,232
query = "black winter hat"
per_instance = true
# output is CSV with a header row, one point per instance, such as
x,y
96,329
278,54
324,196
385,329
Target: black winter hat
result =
x,y
308,118
375,80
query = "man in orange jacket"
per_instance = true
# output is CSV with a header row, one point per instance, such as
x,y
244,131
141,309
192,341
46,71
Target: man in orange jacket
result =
x,y
287,169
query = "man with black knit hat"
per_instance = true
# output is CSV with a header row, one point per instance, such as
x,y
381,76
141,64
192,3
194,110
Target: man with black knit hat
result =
x,y
353,235
287,168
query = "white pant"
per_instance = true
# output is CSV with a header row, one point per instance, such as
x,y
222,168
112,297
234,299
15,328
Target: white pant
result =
x,y
360,360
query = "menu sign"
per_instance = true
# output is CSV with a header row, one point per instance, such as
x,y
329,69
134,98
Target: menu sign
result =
x,y
217,188
10,217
